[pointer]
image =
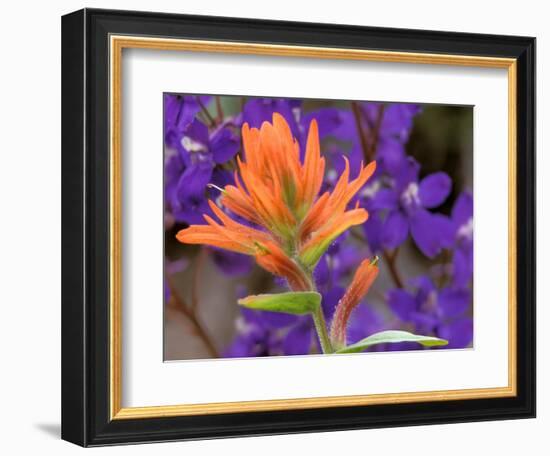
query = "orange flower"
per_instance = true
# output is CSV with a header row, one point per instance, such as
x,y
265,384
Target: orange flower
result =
x,y
280,195
362,280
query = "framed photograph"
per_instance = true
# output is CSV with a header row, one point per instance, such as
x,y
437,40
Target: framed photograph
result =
x,y
275,227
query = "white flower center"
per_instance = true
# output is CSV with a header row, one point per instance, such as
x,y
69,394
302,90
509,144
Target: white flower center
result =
x,y
192,145
410,195
332,175
370,190
466,231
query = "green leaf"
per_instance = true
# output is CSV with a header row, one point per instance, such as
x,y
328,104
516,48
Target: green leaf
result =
x,y
295,302
392,337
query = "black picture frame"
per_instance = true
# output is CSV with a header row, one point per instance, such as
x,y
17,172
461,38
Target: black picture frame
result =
x,y
85,228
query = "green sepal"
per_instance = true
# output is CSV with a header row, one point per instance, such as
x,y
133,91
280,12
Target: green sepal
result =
x,y
392,337
294,302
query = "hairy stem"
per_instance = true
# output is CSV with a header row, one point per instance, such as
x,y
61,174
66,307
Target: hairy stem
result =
x,y
321,328
319,320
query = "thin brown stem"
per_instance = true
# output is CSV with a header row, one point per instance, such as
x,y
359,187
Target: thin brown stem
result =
x,y
219,109
390,258
369,141
369,144
204,111
191,316
362,134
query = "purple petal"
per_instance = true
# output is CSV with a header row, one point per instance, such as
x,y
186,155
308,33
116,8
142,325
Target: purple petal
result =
x,y
463,266
197,132
430,232
265,319
390,155
424,322
347,130
345,261
194,180
384,199
434,189
188,201
328,120
166,291
424,287
232,264
221,178
403,346
406,173
179,112
322,273
298,340
445,228
398,120
463,209
373,229
223,145
191,211
396,228
453,302
364,321
173,170
402,303
459,333
330,301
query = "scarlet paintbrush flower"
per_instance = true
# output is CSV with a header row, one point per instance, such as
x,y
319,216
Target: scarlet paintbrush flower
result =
x,y
362,280
280,196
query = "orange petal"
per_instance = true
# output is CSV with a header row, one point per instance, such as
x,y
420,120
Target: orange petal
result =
x,y
313,249
362,281
205,234
313,171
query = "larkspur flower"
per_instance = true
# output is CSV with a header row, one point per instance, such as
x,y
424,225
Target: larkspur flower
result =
x,y
198,155
403,207
179,112
463,254
195,157
432,310
291,226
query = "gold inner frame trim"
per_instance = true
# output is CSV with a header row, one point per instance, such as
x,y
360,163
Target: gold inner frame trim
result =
x,y
117,44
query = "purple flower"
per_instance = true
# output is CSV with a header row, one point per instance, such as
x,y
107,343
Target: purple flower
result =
x,y
188,200
402,208
463,224
197,155
365,320
179,112
257,334
431,310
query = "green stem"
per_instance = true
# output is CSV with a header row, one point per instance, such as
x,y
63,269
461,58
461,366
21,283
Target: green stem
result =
x,y
319,318
321,328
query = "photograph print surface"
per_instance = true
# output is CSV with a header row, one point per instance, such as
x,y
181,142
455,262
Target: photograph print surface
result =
x,y
309,227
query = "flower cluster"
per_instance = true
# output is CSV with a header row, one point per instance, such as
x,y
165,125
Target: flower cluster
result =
x,y
273,182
